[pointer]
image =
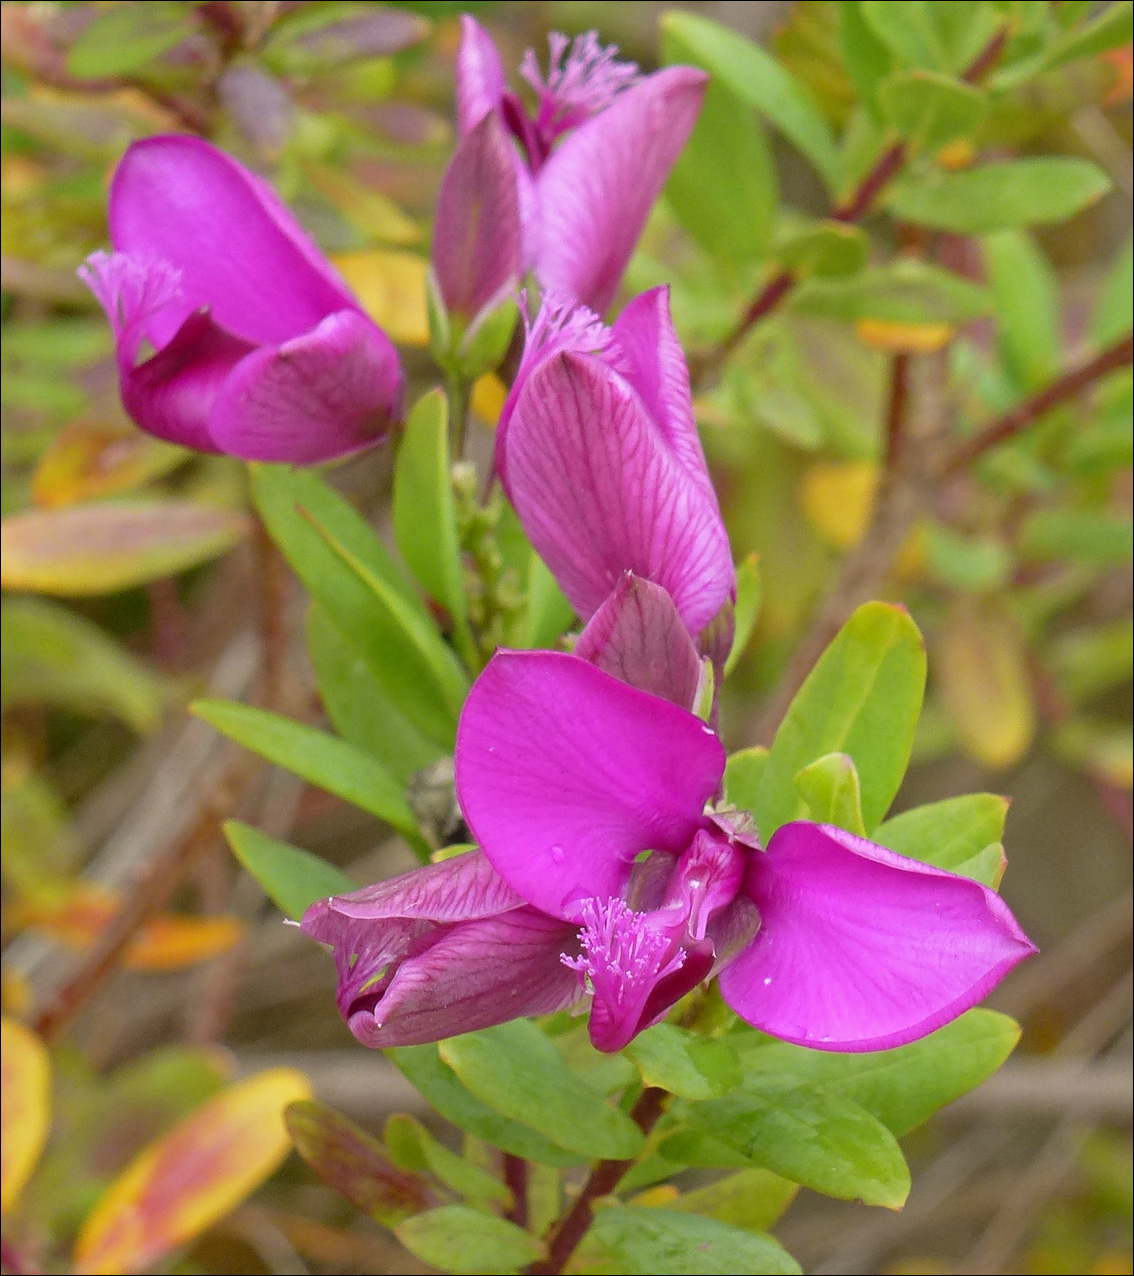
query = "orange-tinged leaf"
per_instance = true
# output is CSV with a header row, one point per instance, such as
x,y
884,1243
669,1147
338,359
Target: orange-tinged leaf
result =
x,y
88,459
77,914
488,395
903,338
982,668
838,499
391,287
25,1107
200,1171
99,549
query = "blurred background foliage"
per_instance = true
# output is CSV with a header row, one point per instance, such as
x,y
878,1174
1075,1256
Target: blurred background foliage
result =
x,y
134,577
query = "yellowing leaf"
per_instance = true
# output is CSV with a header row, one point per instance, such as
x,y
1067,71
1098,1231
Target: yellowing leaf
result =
x,y
982,668
76,916
25,1107
838,498
99,549
88,459
903,338
488,395
391,287
200,1171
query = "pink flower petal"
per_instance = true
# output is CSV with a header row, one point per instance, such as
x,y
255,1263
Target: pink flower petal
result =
x,y
600,492
637,636
481,83
239,251
566,774
863,949
598,186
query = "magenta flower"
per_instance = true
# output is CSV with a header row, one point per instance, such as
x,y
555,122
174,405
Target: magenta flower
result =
x,y
591,799
593,159
261,350
598,451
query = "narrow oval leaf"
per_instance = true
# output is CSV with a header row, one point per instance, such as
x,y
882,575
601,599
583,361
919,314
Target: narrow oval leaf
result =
x,y
683,1063
183,1183
949,833
830,788
518,1072
317,756
862,698
25,1107
87,459
458,1239
100,549
906,292
1025,296
414,1148
930,110
640,1241
355,1163
292,879
752,1199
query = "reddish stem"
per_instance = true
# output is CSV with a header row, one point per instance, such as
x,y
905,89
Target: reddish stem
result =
x,y
516,1179
896,409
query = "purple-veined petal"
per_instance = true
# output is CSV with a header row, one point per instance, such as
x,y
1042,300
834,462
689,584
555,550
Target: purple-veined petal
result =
x,y
237,249
566,774
477,243
600,492
472,975
598,186
480,76
863,949
637,636
325,394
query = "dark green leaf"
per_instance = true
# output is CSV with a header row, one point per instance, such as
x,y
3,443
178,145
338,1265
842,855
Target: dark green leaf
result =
x,y
292,879
458,1239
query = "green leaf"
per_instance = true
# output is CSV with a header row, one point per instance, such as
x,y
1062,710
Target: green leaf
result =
x,y
929,110
753,1199
692,1147
1110,29
425,522
51,655
901,1087
723,188
683,1063
292,879
317,756
862,698
354,1163
742,776
458,1239
906,292
1116,301
746,609
359,709
414,1148
760,80
518,1072
547,613
867,58
1023,192
966,562
1026,300
947,834
923,33
122,40
817,1137
830,788
638,1241
1095,537
424,1068
823,248
346,568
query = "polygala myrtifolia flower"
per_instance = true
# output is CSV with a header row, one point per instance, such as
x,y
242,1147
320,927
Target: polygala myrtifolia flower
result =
x,y
607,870
598,451
590,162
261,351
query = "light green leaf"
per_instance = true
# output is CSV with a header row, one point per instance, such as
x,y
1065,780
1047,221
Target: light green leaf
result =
x,y
518,1072
905,292
742,776
292,879
747,608
1110,29
901,1087
684,1063
636,1241
414,1148
867,58
424,1068
929,110
425,522
125,38
825,248
862,698
760,80
1026,300
974,563
946,834
547,614
830,788
691,1146
753,1199
813,1136
1116,301
1088,536
1022,192
923,33
317,756
455,1238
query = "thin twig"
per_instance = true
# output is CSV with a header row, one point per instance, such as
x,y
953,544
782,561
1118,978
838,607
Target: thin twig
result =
x,y
604,1178
516,1179
897,407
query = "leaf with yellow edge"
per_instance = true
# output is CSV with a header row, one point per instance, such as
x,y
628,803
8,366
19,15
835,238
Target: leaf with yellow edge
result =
x,y
77,914
391,287
183,1183
903,338
25,1107
89,459
838,499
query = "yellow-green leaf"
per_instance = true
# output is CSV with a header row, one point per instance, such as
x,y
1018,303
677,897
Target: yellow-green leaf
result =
x,y
25,1107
